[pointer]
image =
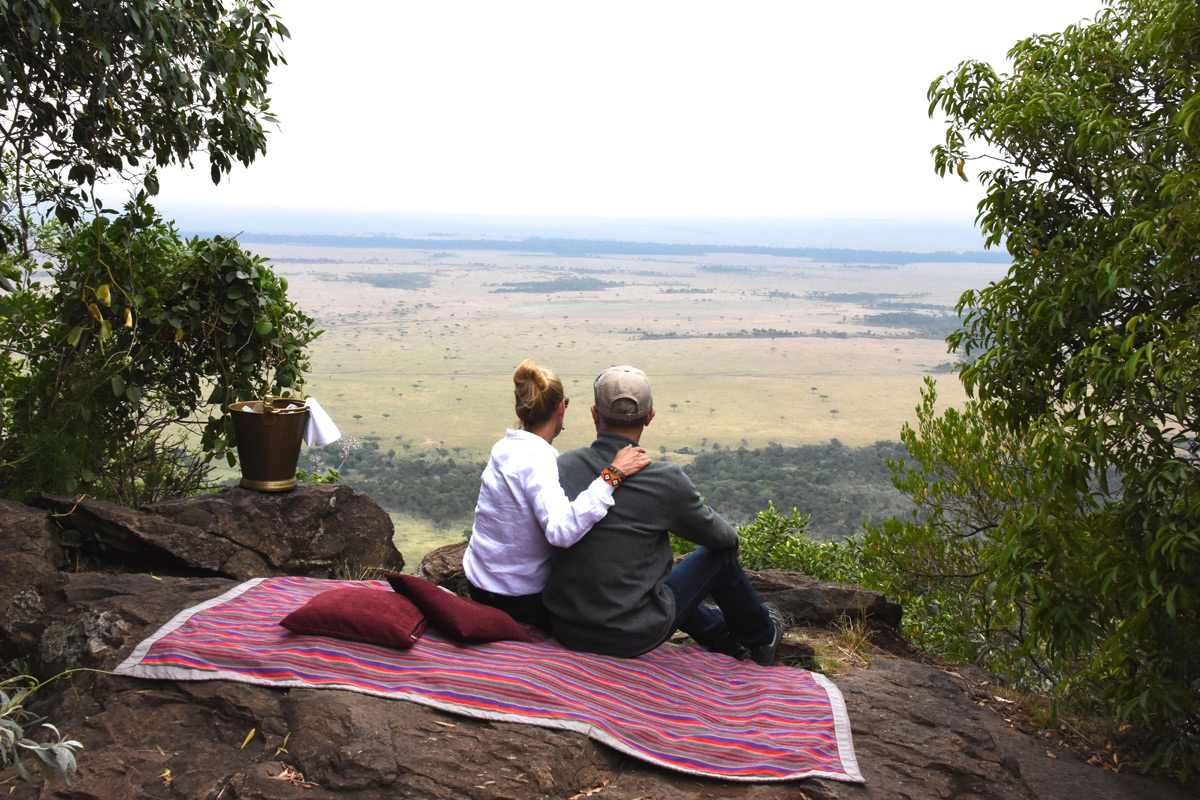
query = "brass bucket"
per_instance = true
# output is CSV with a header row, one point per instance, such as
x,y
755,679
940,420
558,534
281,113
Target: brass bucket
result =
x,y
269,433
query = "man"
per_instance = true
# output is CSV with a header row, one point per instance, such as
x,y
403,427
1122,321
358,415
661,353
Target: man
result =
x,y
614,592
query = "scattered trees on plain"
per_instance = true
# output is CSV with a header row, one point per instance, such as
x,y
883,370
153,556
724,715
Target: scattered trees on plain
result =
x,y
838,487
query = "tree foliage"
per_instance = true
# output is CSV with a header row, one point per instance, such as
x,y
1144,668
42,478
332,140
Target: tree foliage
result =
x,y
837,486
115,333
107,369
428,483
968,480
95,89
1089,349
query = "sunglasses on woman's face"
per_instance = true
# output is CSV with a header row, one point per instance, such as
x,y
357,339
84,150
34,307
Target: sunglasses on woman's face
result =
x,y
566,402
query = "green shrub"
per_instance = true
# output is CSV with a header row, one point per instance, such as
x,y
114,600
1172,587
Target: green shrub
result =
x,y
116,375
776,540
54,757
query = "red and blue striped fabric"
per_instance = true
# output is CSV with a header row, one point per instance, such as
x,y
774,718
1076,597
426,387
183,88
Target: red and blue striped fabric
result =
x,y
679,707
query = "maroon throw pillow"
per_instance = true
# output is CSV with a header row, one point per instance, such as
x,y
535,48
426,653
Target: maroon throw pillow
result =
x,y
460,617
374,616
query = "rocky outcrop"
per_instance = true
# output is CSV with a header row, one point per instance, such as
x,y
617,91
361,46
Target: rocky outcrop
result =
x,y
811,602
920,731
444,566
314,530
31,555
317,530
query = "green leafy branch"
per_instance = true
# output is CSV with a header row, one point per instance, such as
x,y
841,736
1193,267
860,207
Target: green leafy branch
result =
x,y
56,756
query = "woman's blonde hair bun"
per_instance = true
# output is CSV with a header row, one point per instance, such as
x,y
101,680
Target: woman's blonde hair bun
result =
x,y
538,392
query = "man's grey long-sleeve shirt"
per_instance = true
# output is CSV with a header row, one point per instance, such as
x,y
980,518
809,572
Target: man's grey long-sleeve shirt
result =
x,y
607,593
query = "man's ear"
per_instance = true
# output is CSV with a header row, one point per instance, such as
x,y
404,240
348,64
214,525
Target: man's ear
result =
x,y
649,416
595,417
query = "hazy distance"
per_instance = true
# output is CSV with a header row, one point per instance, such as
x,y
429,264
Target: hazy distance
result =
x,y
859,234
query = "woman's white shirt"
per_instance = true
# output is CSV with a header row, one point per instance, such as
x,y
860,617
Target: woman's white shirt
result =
x,y
522,513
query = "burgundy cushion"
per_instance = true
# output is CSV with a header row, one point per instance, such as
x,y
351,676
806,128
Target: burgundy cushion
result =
x,y
460,617
374,616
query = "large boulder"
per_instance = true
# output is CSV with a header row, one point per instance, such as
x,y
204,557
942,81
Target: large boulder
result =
x,y
315,530
444,566
808,601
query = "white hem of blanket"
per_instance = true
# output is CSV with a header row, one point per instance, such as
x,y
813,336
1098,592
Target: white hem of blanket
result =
x,y
126,667
841,727
841,721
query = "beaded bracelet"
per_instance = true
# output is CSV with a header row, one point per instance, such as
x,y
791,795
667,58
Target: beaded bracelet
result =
x,y
612,475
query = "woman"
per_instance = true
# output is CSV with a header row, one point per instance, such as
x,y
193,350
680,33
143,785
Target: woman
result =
x,y
522,511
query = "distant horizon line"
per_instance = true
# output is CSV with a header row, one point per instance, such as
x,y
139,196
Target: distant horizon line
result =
x,y
578,246
874,233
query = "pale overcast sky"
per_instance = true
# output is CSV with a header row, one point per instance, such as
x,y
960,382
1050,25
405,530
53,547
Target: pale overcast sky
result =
x,y
784,110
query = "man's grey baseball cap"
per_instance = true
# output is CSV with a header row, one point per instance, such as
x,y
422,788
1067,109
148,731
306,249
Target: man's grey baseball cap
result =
x,y
616,383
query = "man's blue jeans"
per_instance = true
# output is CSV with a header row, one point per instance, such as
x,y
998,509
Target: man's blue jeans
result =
x,y
719,574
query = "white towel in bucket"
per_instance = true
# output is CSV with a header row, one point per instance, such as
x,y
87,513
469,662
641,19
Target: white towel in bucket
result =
x,y
321,428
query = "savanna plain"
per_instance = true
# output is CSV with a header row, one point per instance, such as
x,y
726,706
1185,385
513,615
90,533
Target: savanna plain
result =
x,y
743,350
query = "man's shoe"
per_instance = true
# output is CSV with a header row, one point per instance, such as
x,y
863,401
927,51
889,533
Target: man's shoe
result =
x,y
727,645
764,654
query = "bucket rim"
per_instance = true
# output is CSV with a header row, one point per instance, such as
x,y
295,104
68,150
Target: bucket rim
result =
x,y
296,406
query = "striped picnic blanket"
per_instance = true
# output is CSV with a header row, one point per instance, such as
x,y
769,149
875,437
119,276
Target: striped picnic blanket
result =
x,y
679,706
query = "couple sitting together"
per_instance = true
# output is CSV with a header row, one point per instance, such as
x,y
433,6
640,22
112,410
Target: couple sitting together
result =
x,y
578,544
